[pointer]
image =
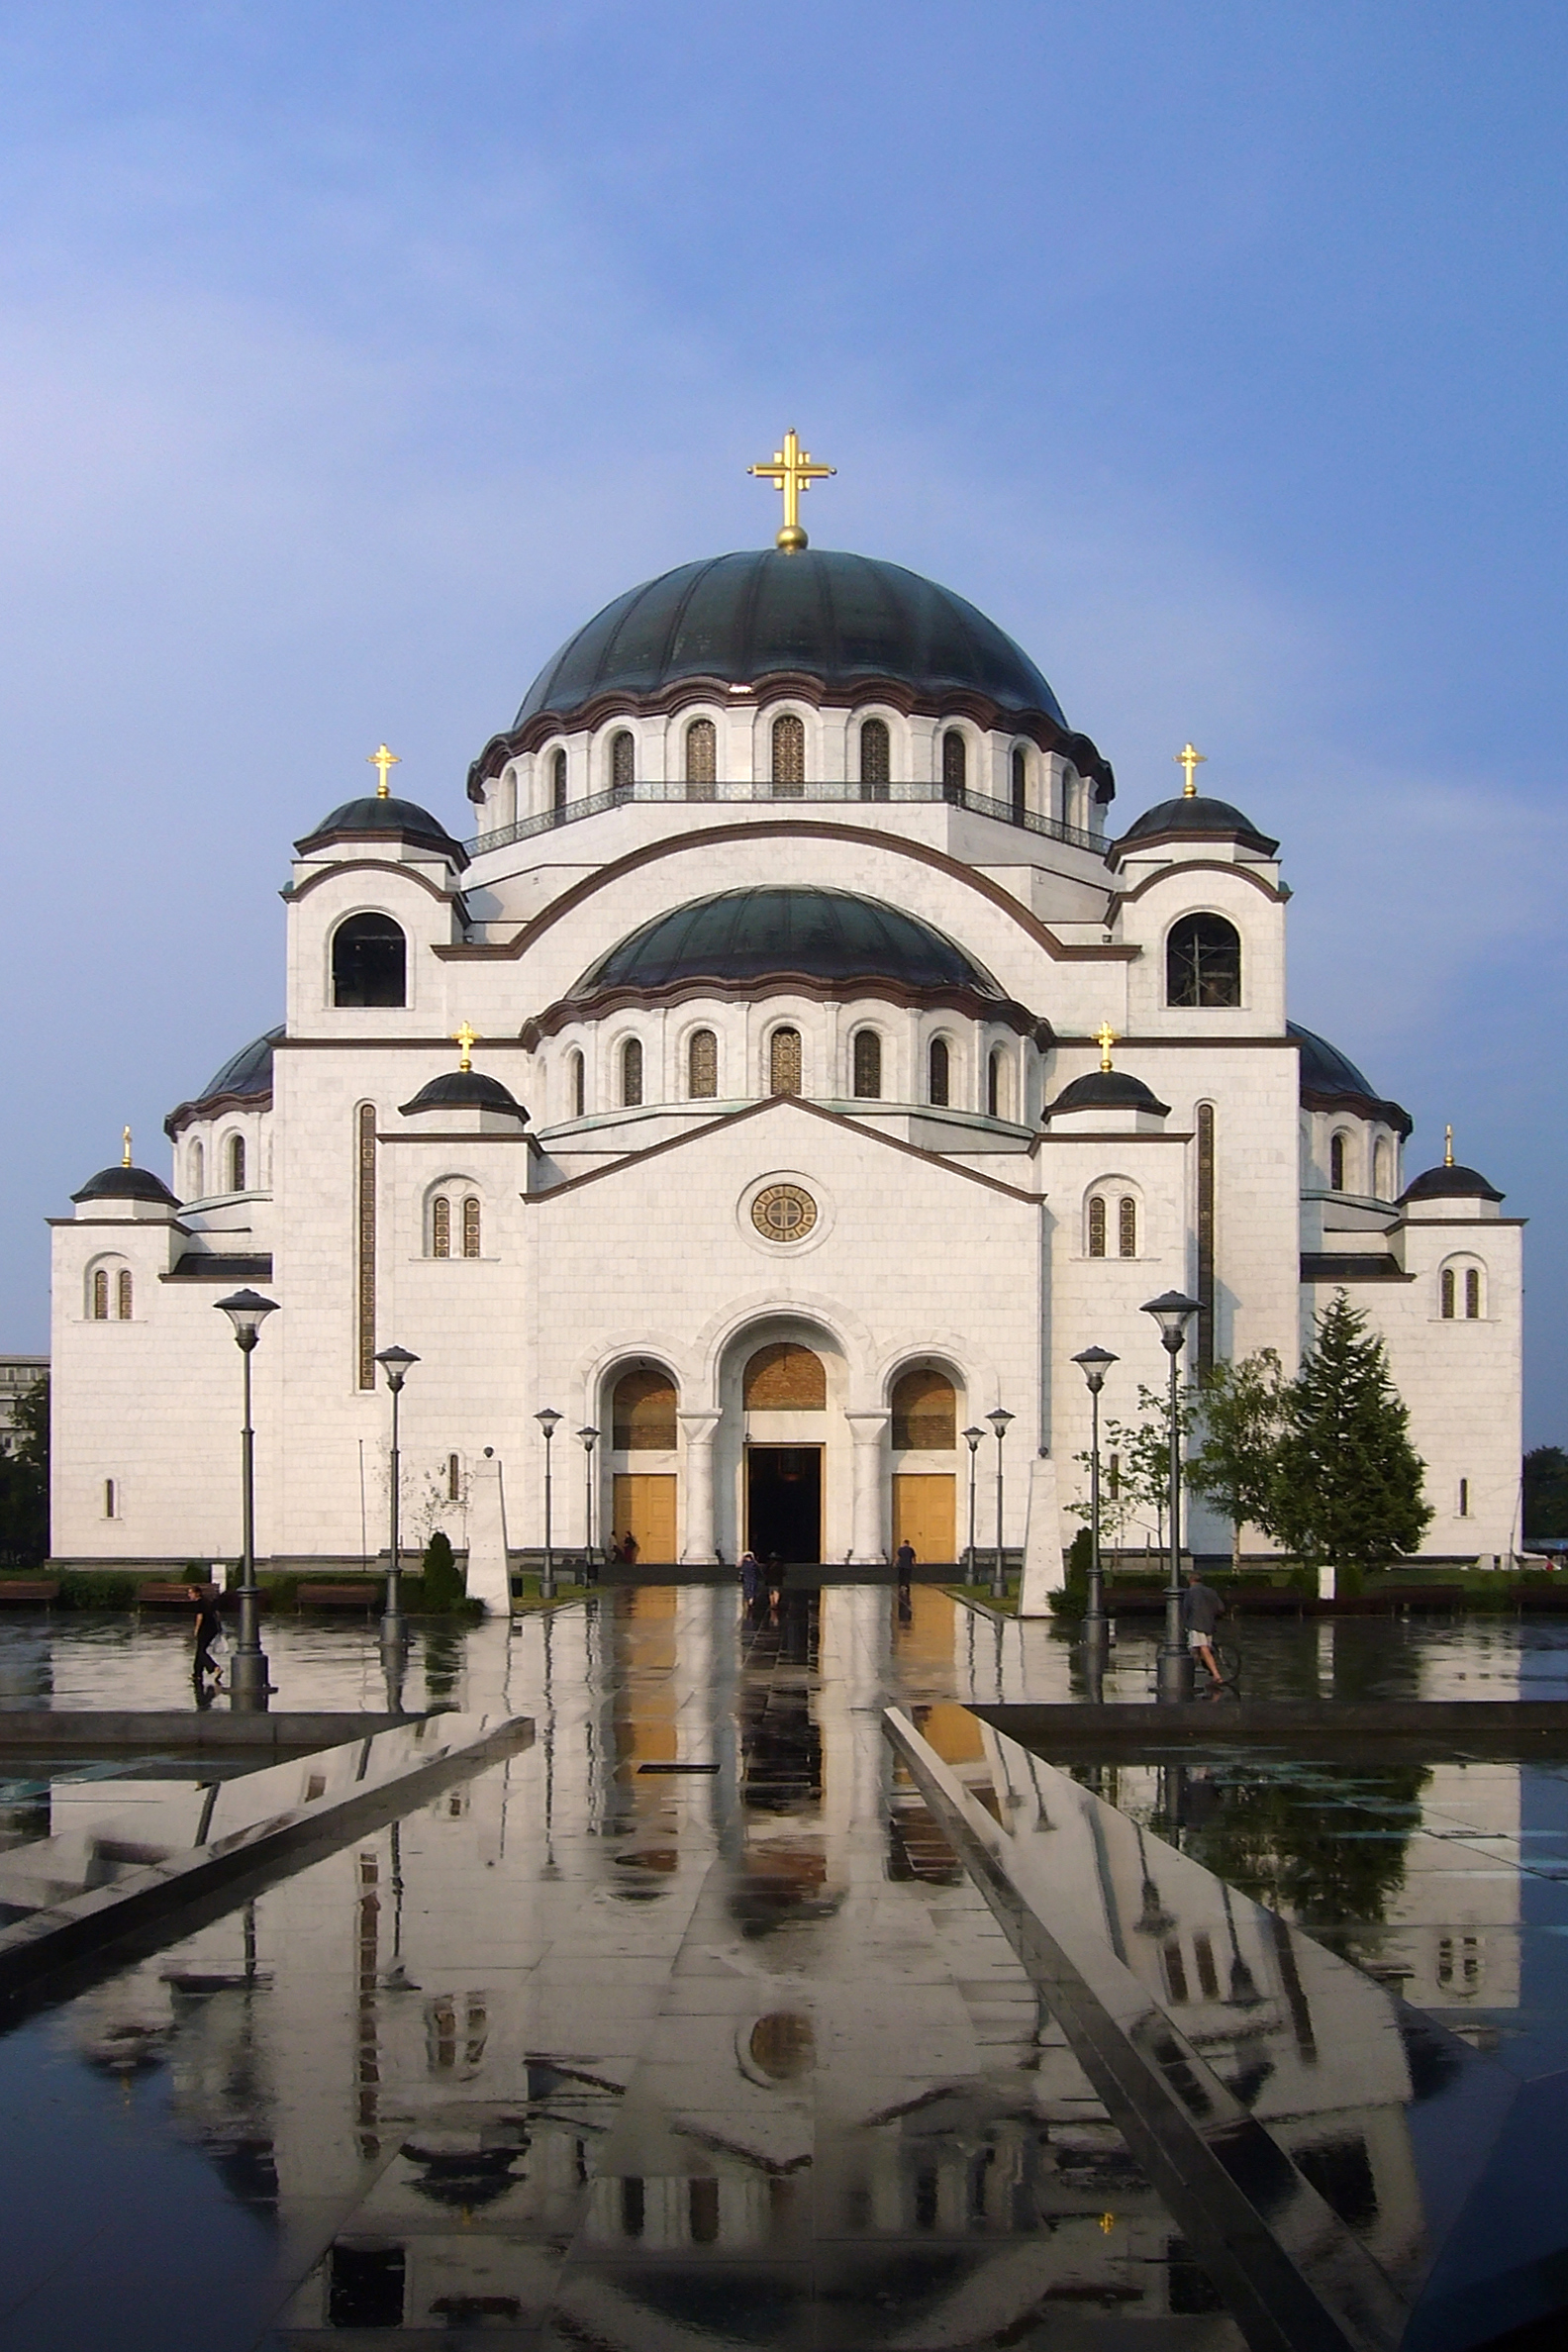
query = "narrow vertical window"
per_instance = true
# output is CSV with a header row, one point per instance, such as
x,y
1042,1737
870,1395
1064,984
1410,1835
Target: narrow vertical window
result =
x,y
789,757
453,1479
1097,1226
470,1228
867,1064
1207,1236
237,1163
702,1065
100,1293
366,1243
198,1171
938,1073
577,1072
123,1294
701,760
1020,784
955,765
1472,1293
1126,1227
1464,1497
876,760
441,1227
631,1073
993,1086
1336,1163
110,1498
1381,1188
557,782
784,1062
1446,1294
622,761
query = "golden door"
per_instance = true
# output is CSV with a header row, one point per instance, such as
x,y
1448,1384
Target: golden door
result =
x,y
923,1513
645,1508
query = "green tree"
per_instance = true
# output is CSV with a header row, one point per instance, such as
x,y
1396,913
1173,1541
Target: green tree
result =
x,y
1347,1483
442,1583
1545,1491
23,1482
1140,1453
1241,1414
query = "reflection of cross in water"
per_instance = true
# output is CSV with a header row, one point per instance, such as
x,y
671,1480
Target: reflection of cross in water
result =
x,y
1156,1919
1243,1986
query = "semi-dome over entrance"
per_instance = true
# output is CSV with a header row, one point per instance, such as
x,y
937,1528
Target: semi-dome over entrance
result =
x,y
744,936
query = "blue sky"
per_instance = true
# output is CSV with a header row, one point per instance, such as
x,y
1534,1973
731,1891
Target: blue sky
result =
x,y
351,355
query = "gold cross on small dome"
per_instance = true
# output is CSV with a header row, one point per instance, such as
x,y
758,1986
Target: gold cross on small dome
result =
x,y
381,759
125,1148
467,1039
1105,1038
792,472
1448,1160
1188,759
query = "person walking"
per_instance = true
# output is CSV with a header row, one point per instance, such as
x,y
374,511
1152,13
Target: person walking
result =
x,y
903,1562
750,1584
209,1625
1202,1610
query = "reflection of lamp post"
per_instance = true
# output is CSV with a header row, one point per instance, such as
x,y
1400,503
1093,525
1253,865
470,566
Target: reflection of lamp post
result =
x,y
587,1437
396,1363
998,1420
1095,1364
248,1680
1173,1311
972,1440
549,1421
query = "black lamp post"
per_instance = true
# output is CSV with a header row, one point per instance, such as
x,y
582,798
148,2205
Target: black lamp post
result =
x,y
396,1363
549,1421
250,1685
972,1437
1173,1311
998,1420
1095,1364
587,1439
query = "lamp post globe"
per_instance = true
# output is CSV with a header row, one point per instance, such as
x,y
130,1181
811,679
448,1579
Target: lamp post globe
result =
x,y
587,1439
1173,1311
1094,1363
549,1421
972,1437
1000,1419
396,1363
249,1680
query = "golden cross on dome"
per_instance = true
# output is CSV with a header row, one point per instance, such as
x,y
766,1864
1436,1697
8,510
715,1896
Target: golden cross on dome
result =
x,y
467,1039
125,1148
1447,1146
792,472
1105,1038
381,759
1189,757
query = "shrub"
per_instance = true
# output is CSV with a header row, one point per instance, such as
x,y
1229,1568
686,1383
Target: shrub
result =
x,y
440,1584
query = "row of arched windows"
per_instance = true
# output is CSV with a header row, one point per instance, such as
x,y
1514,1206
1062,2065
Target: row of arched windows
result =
x,y
785,1067
1126,1233
229,1167
1456,1284
783,1377
448,1223
1339,1143
787,763
120,1289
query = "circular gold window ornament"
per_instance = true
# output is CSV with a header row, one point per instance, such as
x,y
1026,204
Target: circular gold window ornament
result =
x,y
784,1212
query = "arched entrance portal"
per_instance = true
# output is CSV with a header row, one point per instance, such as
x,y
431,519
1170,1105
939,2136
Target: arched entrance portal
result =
x,y
783,1384
643,1453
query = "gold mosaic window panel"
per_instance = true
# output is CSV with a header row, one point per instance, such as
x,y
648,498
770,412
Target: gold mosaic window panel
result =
x,y
643,1412
702,759
784,1212
924,1413
789,757
785,1378
702,1065
784,1062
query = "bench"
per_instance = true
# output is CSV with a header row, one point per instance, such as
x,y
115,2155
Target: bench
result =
x,y
367,1593
170,1595
29,1588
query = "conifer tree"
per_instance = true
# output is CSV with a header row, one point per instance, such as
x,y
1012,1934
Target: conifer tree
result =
x,y
1347,1484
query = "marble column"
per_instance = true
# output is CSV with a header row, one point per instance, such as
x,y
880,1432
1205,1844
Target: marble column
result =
x,y
868,1540
698,1545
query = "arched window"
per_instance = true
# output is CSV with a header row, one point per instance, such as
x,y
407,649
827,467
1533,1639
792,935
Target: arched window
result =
x,y
1472,1293
1336,1163
370,958
939,1071
237,1163
622,761
924,1413
441,1227
577,1080
1097,1226
702,759
1381,1189
789,757
955,765
643,1412
100,1293
702,1065
631,1073
785,1378
1447,1290
557,782
454,1477
993,1085
867,1064
195,1172
1020,783
470,1228
876,760
1203,961
123,1294
784,1062
1126,1227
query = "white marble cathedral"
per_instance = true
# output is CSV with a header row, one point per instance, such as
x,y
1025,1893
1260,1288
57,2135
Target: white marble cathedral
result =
x,y
828,1074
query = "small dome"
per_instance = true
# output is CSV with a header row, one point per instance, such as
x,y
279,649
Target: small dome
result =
x,y
464,1090
1108,1089
374,819
1198,819
1450,1184
1330,1081
125,1184
244,1083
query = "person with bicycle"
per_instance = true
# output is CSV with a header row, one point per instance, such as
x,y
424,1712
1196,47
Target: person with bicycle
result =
x,y
1202,1610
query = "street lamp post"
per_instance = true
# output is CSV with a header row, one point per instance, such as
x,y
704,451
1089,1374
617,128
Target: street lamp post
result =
x,y
549,1421
249,1683
396,1363
587,1437
998,1420
1173,1311
1095,1364
972,1437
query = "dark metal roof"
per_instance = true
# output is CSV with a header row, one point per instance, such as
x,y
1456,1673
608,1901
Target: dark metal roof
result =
x,y
756,934
464,1090
1330,1081
1450,1184
125,1184
374,819
1108,1089
765,610
198,1265
1350,1265
244,1083
1197,819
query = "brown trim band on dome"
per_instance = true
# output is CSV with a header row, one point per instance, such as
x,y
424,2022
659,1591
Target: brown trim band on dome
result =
x,y
1197,865
967,1002
293,891
1358,1105
782,829
185,1115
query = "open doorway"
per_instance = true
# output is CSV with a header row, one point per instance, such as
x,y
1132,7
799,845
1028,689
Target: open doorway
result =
x,y
784,1501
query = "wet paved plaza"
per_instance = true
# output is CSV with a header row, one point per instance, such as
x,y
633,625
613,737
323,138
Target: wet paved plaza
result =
x,y
591,2051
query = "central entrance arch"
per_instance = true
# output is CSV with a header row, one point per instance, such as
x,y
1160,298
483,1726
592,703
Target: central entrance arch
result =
x,y
783,1500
